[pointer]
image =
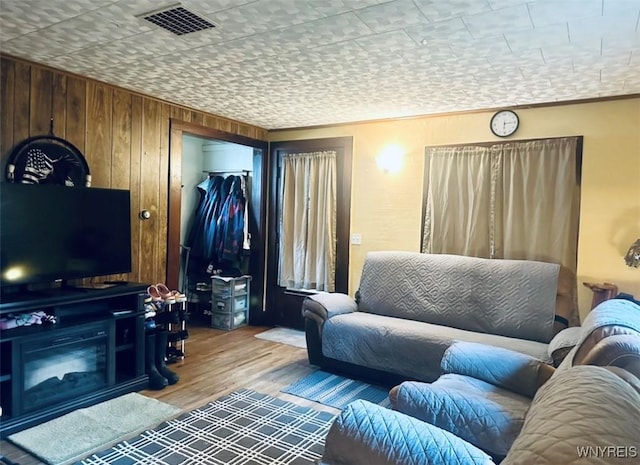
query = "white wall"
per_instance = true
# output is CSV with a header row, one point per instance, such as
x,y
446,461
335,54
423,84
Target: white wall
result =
x,y
223,156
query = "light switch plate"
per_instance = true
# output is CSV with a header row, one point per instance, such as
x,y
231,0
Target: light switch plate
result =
x,y
356,238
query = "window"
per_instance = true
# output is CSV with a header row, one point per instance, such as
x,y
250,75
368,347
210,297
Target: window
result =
x,y
518,200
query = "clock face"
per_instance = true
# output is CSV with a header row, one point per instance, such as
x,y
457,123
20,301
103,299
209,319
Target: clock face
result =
x,y
504,123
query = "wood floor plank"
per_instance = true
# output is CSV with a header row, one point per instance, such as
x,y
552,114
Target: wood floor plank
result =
x,y
219,362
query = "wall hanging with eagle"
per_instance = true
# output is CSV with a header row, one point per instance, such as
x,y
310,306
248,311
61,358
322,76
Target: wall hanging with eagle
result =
x,y
48,160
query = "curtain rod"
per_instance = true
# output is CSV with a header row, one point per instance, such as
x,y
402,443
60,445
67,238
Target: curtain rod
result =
x,y
228,172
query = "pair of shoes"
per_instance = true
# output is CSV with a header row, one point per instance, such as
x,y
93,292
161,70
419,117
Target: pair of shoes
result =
x,y
156,296
177,296
161,293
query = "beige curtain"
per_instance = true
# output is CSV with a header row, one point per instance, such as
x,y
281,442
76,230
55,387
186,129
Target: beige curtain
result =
x,y
457,210
307,230
540,201
513,200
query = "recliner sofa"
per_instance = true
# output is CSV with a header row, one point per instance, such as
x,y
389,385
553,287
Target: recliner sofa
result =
x,y
410,307
496,403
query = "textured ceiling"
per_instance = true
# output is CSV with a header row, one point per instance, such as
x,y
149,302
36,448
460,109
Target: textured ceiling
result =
x,y
294,63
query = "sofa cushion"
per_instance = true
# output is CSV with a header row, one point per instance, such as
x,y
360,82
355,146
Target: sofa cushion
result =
x,y
500,367
488,417
368,434
585,414
474,294
375,341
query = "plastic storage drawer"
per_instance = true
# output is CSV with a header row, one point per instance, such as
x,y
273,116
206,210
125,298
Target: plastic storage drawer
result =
x,y
229,321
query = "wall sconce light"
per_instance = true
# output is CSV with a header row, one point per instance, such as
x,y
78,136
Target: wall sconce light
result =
x,y
391,159
632,258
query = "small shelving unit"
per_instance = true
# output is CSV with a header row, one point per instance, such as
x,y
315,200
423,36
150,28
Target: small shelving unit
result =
x,y
178,329
230,302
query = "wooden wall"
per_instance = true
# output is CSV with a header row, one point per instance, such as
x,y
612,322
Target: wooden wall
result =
x,y
123,135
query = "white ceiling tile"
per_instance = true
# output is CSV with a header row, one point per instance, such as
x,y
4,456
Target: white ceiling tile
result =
x,y
447,31
524,57
615,7
391,16
548,12
571,51
486,47
613,72
556,93
438,10
209,6
497,22
265,15
614,43
498,4
30,15
325,31
632,85
553,35
334,7
619,25
560,68
502,77
386,43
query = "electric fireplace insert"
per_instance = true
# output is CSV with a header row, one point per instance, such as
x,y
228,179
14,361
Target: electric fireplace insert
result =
x,y
65,365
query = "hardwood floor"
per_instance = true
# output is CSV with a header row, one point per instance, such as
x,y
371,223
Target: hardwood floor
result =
x,y
216,363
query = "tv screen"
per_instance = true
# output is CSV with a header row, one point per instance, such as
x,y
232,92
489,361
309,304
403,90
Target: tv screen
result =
x,y
51,232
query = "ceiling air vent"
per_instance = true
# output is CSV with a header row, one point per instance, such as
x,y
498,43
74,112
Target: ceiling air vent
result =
x,y
178,20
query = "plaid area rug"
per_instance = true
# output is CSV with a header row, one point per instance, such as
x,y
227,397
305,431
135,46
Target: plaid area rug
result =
x,y
337,391
243,428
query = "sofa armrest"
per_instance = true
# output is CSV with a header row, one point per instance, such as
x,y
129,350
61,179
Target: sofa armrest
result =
x,y
501,367
562,343
325,305
365,433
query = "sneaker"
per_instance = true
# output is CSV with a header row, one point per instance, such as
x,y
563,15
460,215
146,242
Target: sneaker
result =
x,y
149,310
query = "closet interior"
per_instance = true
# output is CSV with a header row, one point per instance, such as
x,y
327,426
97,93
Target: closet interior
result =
x,y
215,237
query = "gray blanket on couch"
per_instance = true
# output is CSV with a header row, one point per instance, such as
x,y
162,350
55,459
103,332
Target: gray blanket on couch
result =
x,y
512,298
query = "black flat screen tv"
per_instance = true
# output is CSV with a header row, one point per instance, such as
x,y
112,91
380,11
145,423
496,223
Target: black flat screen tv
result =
x,y
50,233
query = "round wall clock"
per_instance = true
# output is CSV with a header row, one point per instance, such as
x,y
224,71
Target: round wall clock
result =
x,y
504,123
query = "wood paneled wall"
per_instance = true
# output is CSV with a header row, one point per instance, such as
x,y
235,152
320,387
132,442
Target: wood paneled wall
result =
x,y
123,135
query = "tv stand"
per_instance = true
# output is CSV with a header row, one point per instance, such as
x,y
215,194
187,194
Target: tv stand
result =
x,y
92,286
98,339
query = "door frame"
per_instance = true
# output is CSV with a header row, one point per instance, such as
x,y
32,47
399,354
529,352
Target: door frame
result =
x,y
344,148
257,210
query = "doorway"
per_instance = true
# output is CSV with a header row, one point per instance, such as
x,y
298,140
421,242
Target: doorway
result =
x,y
184,195
286,302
